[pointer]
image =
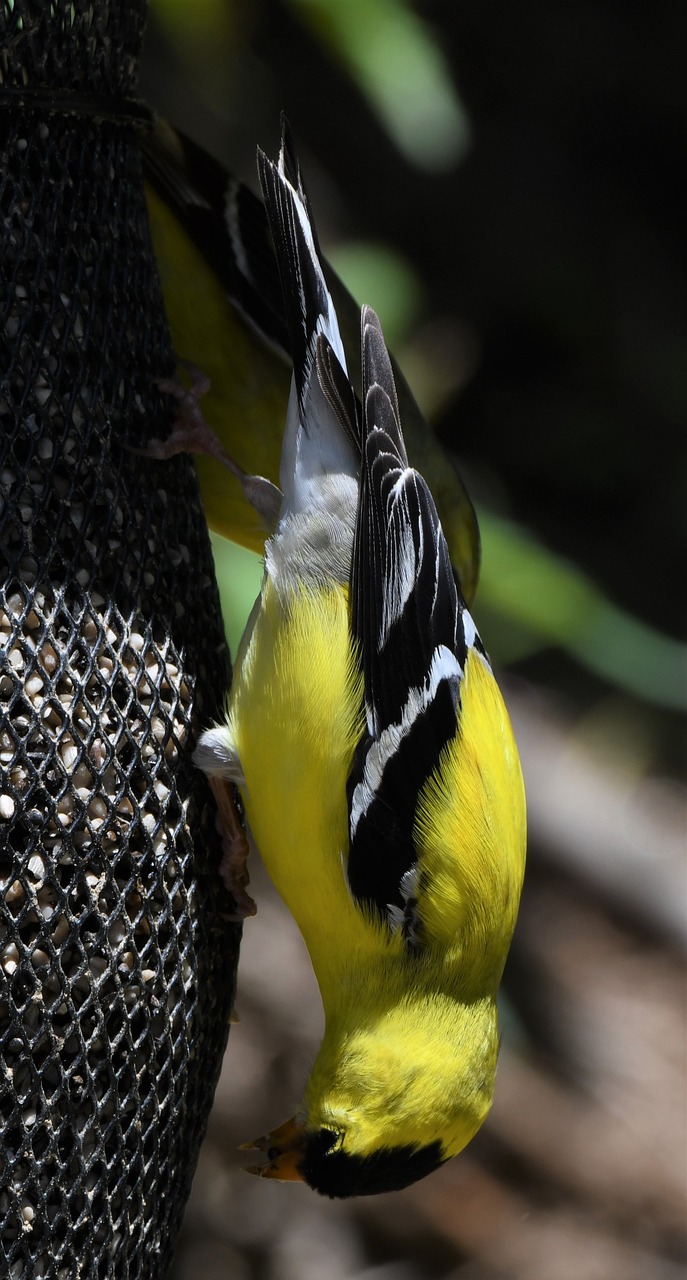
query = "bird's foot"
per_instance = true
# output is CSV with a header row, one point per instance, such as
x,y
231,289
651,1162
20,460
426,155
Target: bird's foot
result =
x,y
285,1148
190,433
233,867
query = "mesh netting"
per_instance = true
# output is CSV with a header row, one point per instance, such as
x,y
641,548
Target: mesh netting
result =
x,y
117,965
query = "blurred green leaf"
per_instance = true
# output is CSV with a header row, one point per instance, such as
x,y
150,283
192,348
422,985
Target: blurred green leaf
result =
x,y
551,598
239,574
376,275
400,68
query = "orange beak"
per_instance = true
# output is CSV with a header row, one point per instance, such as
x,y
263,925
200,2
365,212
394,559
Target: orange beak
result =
x,y
285,1147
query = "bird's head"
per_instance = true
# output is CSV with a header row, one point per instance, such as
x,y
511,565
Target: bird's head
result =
x,y
390,1101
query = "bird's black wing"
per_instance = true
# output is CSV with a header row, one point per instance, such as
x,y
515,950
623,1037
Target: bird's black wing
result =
x,y
412,629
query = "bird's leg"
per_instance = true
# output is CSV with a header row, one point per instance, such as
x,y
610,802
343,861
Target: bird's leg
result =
x,y
192,434
233,867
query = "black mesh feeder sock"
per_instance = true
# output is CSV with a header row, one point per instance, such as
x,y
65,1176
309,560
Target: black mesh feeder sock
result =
x,y
117,964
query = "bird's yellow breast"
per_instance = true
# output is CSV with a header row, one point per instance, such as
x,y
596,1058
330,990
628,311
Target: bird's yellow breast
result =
x,y
295,715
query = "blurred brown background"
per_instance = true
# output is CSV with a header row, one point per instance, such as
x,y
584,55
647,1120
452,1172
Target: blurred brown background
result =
x,y
501,183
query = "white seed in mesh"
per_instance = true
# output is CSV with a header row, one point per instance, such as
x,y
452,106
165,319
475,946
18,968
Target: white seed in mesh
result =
x,y
28,1213
7,807
48,658
36,867
46,899
69,753
161,791
33,686
9,958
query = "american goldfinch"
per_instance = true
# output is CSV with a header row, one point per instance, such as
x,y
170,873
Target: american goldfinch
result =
x,y
375,760
224,302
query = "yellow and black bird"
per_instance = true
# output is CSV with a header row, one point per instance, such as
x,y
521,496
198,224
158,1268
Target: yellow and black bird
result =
x,y
375,759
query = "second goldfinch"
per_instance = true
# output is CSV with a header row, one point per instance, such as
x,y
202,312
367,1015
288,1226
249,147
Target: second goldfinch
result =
x,y
376,763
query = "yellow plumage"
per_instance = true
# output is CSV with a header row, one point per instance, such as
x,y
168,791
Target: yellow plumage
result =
x,y
376,763
471,831
296,722
390,1020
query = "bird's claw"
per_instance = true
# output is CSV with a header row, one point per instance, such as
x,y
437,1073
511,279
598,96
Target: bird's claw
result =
x,y
235,849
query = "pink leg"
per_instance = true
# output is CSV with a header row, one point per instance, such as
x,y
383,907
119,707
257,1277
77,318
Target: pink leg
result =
x,y
233,867
191,434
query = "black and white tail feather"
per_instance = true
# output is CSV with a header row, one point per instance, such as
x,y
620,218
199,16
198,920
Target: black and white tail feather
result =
x,y
409,623
319,461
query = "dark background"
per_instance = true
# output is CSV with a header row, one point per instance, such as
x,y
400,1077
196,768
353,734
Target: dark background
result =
x,y
544,326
